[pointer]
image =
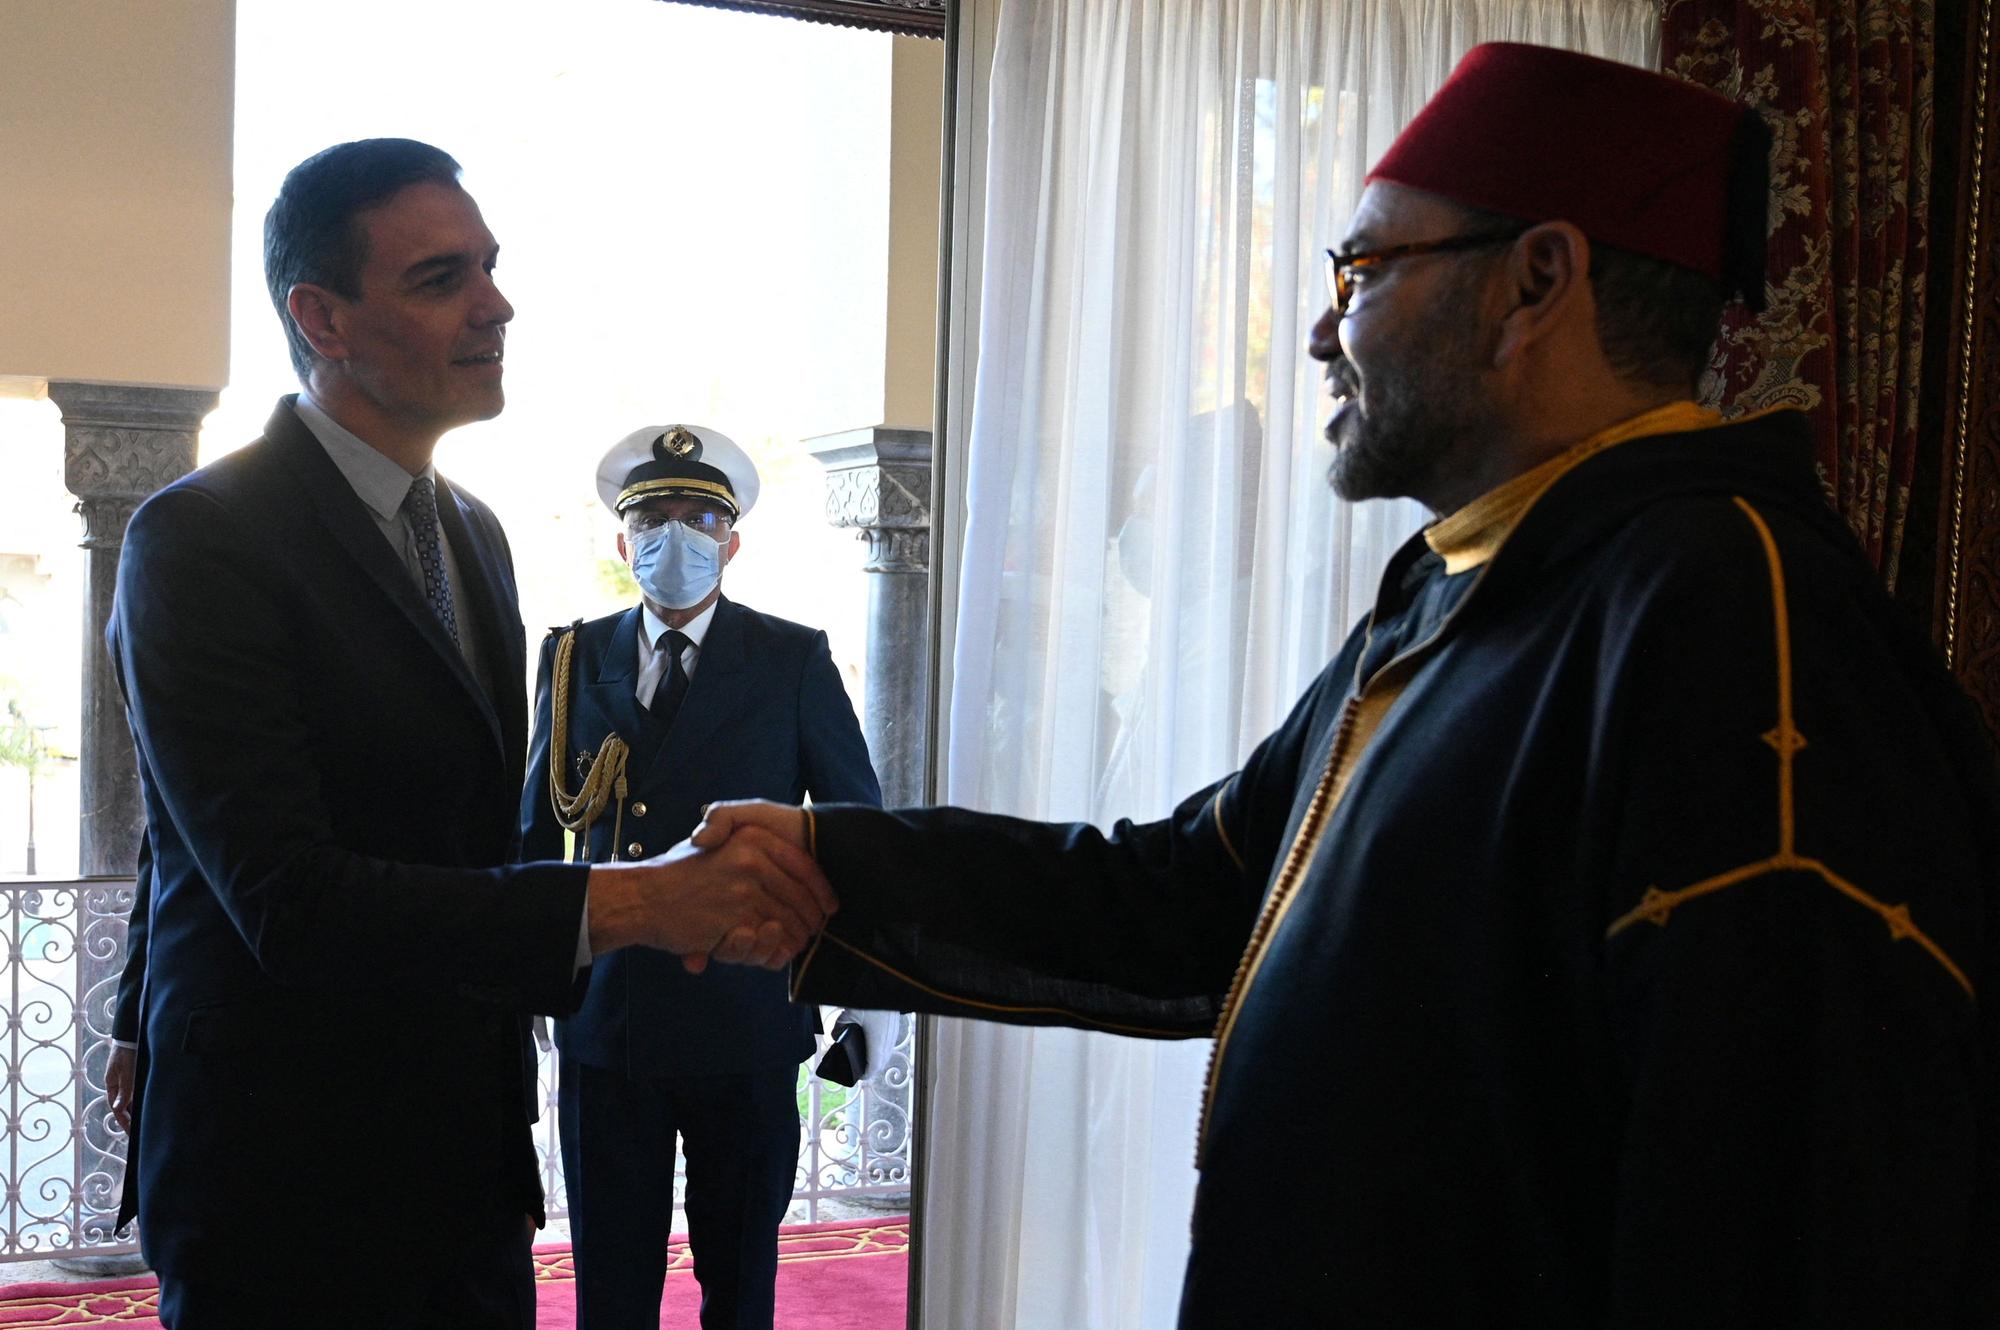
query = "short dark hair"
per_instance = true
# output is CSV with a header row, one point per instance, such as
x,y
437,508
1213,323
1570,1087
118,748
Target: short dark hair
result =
x,y
1656,321
309,233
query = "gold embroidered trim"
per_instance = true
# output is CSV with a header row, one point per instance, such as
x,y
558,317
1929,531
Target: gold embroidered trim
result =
x,y
1655,906
646,489
1968,325
812,848
1473,535
604,779
1216,807
804,964
1360,716
1014,1009
1276,904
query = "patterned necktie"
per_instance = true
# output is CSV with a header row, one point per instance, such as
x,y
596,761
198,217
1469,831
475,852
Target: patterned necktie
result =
x,y
420,509
667,697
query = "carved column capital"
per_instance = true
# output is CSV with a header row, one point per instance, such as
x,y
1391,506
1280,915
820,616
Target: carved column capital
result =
x,y
105,517
878,481
121,442
126,441
891,550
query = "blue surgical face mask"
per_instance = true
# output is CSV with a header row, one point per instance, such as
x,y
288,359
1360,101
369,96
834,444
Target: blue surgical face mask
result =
x,y
676,567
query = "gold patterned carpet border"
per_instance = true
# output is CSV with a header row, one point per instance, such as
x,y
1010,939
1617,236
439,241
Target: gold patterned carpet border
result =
x,y
134,1302
797,1244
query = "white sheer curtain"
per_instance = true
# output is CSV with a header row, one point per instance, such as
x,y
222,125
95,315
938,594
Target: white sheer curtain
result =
x,y
1153,564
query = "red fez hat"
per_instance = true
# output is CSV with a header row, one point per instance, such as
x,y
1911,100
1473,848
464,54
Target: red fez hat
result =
x,y
1635,160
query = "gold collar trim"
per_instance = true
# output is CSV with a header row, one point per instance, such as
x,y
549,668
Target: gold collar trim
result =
x,y
1472,535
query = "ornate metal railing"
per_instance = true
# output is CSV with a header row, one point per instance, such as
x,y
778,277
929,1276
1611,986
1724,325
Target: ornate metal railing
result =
x,y
63,1164
64,1159
856,1143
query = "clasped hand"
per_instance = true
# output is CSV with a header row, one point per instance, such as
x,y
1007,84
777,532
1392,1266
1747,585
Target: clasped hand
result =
x,y
741,889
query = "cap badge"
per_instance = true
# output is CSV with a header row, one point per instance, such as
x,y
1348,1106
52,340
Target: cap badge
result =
x,y
677,444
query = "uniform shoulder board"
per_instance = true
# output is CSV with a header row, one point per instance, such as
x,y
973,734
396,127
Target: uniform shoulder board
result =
x,y
556,630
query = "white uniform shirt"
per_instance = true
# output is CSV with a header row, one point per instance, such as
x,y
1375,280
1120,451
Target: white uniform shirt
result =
x,y
652,659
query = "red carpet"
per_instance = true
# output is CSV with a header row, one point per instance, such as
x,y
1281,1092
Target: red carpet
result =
x,y
832,1276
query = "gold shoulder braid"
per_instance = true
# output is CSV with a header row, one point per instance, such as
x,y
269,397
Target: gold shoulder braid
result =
x,y
606,778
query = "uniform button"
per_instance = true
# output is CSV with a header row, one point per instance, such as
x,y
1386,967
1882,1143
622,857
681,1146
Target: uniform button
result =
x,y
635,850
638,810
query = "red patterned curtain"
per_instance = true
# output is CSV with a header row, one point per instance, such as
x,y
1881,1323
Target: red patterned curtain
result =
x,y
1845,86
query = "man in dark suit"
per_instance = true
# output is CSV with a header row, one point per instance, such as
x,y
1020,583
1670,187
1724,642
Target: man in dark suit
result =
x,y
323,661
688,697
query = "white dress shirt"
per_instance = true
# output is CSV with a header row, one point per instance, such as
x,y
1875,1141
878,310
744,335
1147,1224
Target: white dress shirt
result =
x,y
653,663
382,485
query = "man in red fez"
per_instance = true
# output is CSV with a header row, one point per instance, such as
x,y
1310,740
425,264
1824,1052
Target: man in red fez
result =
x,y
1607,938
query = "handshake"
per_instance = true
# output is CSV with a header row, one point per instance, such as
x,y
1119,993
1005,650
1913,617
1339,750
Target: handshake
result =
x,y
742,889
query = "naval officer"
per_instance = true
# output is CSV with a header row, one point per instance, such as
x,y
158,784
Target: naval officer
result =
x,y
641,719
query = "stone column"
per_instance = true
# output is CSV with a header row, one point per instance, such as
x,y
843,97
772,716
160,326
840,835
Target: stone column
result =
x,y
879,482
121,443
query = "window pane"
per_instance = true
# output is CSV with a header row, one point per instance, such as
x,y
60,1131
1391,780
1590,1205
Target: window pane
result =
x,y
692,208
41,641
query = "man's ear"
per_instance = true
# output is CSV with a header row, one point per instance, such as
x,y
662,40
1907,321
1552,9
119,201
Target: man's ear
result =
x,y
1548,276
316,312
623,552
735,539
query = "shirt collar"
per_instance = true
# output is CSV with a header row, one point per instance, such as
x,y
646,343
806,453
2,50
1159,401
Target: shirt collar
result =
x,y
1472,535
382,484
694,629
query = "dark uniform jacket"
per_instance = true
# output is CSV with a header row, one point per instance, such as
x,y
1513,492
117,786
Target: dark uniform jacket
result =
x,y
339,948
1607,938
765,716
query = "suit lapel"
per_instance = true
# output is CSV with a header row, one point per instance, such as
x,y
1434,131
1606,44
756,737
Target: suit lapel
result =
x,y
326,493
721,685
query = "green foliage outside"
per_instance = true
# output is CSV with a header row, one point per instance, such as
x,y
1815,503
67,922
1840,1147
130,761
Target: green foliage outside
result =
x,y
22,744
832,1098
615,580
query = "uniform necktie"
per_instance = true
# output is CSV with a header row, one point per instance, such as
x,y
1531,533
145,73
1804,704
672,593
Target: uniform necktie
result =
x,y
421,509
667,697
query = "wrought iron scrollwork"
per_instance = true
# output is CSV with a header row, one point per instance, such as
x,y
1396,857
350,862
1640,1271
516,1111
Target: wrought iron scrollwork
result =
x,y
62,1166
64,1160
856,1143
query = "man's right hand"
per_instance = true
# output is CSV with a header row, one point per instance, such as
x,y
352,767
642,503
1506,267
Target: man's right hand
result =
x,y
755,899
121,1081
788,822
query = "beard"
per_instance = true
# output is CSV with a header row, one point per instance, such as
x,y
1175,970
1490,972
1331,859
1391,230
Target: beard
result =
x,y
1425,403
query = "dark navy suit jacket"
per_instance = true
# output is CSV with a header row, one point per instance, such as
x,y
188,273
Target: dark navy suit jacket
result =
x,y
765,717
340,946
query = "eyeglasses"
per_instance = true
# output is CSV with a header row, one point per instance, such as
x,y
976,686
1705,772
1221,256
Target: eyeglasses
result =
x,y
713,525
1341,268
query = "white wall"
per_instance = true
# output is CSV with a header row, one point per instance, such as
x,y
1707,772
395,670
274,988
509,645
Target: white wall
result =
x,y
916,153
115,147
